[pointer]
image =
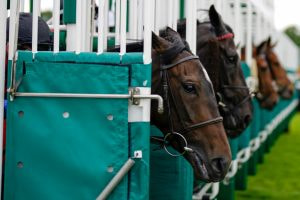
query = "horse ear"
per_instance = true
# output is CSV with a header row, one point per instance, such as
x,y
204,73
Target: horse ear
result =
x,y
216,20
172,34
262,47
269,41
159,44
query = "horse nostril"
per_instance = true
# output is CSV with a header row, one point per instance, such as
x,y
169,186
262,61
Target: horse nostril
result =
x,y
219,165
247,119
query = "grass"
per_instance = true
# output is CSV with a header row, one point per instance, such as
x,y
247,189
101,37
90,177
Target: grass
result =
x,y
278,177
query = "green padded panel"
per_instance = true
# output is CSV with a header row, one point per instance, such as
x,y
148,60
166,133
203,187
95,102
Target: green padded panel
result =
x,y
69,16
52,157
171,177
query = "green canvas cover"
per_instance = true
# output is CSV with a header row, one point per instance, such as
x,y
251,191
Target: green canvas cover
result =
x,y
70,148
171,178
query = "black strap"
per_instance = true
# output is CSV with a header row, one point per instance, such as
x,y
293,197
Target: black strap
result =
x,y
166,67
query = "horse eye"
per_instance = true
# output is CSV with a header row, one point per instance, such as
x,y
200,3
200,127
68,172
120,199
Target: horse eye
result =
x,y
189,88
231,59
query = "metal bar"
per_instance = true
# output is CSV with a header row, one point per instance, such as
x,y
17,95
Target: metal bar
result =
x,y
100,19
147,31
95,96
123,27
157,16
237,22
35,15
116,179
133,19
117,25
191,10
56,12
249,34
175,14
170,13
78,26
3,16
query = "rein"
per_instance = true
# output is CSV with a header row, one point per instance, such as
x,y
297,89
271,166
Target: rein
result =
x,y
166,91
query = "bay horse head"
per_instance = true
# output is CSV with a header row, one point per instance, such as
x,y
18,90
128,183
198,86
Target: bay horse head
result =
x,y
266,95
285,86
191,122
217,52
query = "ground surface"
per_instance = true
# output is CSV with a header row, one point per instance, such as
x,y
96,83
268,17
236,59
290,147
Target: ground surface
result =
x,y
279,176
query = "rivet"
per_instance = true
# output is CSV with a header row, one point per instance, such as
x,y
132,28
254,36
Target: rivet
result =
x,y
110,169
110,117
20,164
21,113
66,115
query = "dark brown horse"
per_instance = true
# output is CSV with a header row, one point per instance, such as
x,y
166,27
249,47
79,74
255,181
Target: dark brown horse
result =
x,y
285,86
191,121
191,108
217,52
266,93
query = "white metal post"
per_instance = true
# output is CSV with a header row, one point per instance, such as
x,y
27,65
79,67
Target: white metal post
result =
x,y
35,15
78,26
101,23
237,22
258,36
249,34
157,16
140,19
123,27
3,16
56,13
170,13
133,19
175,14
117,26
147,31
190,10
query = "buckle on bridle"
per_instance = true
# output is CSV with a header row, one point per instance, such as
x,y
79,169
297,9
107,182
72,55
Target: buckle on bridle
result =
x,y
186,148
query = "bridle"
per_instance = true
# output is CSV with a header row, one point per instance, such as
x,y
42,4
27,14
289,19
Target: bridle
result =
x,y
167,92
220,98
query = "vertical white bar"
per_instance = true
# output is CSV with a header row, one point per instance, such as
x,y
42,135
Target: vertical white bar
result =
x,y
3,16
56,12
133,19
106,28
157,16
249,34
175,14
190,11
140,19
170,13
13,28
78,26
22,6
35,15
147,31
123,27
258,31
83,24
117,25
237,22
101,17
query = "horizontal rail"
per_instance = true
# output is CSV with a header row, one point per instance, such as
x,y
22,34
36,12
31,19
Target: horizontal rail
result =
x,y
96,96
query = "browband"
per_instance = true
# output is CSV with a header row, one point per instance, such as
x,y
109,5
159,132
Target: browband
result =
x,y
225,36
165,67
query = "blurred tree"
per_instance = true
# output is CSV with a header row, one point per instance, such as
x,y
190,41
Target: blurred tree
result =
x,y
294,33
46,15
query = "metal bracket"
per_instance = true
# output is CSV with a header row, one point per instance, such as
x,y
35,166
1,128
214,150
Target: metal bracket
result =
x,y
135,91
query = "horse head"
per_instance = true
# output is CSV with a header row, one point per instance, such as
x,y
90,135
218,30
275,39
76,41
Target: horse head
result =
x,y
217,52
191,122
285,86
266,95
